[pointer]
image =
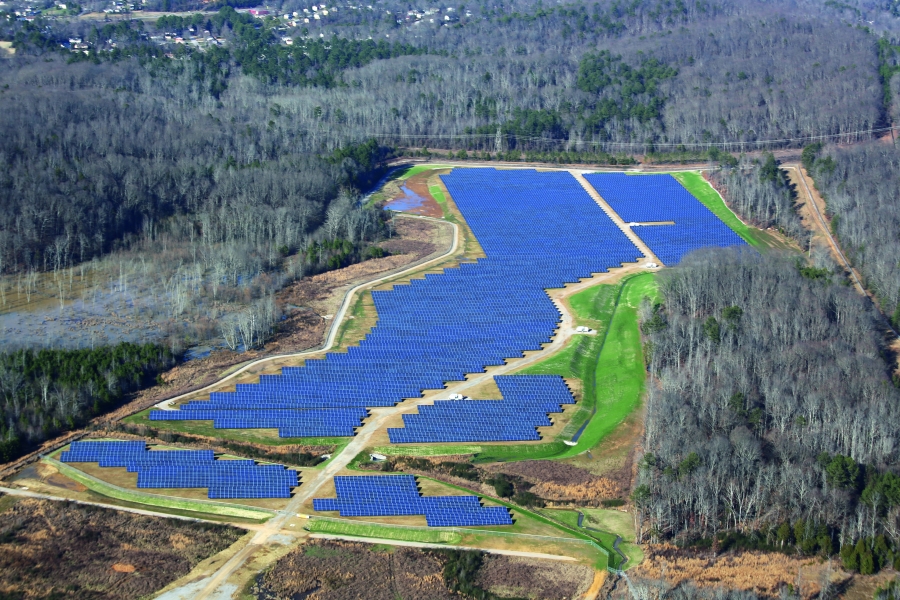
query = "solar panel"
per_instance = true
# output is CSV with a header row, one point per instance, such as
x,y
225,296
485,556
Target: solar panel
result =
x,y
399,495
527,400
188,469
660,198
538,230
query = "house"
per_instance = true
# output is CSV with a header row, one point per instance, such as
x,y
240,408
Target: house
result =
x,y
258,12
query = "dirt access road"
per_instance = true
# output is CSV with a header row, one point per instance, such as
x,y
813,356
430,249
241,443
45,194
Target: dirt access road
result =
x,y
218,583
335,323
377,422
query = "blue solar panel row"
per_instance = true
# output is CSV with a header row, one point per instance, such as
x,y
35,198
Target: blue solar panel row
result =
x,y
527,400
398,495
188,469
538,230
655,198
290,423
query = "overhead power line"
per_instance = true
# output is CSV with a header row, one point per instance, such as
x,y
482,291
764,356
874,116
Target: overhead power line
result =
x,y
492,139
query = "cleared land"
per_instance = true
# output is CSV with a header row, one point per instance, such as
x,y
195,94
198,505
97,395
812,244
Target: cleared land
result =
x,y
332,570
56,549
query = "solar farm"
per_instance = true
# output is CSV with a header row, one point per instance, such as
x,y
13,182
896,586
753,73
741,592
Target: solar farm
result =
x,y
169,469
659,198
539,231
438,329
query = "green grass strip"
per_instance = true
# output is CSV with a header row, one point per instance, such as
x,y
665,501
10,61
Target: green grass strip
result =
x,y
705,193
437,194
416,169
384,531
196,506
584,359
401,450
571,531
619,374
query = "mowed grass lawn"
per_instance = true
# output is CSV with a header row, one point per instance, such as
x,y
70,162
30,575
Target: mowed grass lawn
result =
x,y
609,364
619,373
415,170
701,189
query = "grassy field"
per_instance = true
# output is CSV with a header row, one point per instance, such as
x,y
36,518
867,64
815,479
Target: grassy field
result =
x,y
704,192
152,501
609,364
387,532
620,523
416,169
438,194
612,523
619,373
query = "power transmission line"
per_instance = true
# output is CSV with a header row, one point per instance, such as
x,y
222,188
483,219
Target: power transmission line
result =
x,y
495,138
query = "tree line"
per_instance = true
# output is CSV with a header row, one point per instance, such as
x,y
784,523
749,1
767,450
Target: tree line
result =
x,y
861,187
760,192
771,405
48,392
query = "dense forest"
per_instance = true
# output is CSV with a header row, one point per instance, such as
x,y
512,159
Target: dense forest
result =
x,y
760,192
772,411
861,187
248,143
51,391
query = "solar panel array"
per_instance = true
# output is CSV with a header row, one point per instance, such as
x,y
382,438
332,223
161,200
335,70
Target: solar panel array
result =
x,y
398,495
649,198
538,230
229,414
527,400
188,469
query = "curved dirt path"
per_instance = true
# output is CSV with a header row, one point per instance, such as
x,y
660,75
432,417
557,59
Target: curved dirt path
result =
x,y
335,322
314,479
138,511
218,583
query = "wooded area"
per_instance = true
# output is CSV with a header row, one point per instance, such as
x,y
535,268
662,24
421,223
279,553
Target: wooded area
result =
x,y
760,192
773,411
50,391
861,186
242,149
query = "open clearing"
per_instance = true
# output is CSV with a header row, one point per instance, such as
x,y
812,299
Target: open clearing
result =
x,y
605,370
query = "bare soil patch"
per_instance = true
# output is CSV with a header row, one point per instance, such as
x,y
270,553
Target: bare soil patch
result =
x,y
521,577
74,551
414,197
61,481
331,570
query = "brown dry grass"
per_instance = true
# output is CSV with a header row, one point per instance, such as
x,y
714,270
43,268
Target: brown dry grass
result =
x,y
520,577
764,573
56,549
561,482
332,570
